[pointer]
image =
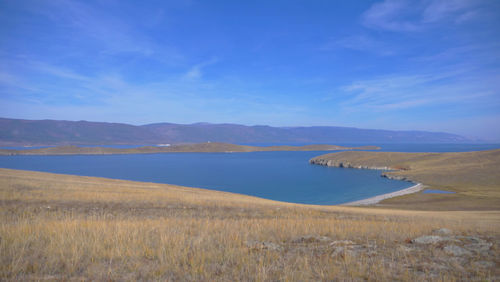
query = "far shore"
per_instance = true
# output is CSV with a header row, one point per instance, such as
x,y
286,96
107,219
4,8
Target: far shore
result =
x,y
208,147
375,200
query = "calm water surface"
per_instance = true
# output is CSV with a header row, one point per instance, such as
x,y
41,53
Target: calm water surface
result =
x,y
431,191
283,176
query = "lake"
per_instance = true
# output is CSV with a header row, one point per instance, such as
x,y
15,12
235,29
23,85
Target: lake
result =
x,y
282,176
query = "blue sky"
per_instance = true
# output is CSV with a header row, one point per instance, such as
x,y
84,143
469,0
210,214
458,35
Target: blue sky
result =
x,y
429,65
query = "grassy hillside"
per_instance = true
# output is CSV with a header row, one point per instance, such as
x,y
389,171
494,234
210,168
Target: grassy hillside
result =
x,y
201,147
61,227
474,176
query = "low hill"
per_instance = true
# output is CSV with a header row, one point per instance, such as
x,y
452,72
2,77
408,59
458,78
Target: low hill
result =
x,y
54,132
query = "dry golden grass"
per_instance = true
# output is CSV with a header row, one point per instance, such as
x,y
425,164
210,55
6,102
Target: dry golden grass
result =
x,y
474,176
61,227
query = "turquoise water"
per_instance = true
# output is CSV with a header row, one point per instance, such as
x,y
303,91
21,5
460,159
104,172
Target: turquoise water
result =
x,y
282,176
431,191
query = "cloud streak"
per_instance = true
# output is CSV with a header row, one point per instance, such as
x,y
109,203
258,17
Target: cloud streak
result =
x,y
360,42
196,71
413,16
112,33
400,92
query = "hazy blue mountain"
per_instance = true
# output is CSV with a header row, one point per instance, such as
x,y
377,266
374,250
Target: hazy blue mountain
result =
x,y
54,132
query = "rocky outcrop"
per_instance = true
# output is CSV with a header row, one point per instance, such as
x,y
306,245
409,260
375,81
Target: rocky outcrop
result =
x,y
311,239
258,245
430,239
345,164
395,177
431,255
442,231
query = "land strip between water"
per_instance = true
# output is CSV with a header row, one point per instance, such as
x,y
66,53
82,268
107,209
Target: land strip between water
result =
x,y
376,199
181,148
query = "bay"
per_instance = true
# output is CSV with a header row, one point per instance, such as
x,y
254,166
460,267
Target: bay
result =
x,y
282,176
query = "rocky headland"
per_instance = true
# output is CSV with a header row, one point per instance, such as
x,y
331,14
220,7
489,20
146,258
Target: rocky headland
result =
x,y
473,176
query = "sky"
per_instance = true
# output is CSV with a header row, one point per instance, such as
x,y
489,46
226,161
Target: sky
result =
x,y
404,65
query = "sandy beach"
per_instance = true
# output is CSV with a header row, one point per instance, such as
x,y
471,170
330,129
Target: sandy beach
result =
x,y
374,200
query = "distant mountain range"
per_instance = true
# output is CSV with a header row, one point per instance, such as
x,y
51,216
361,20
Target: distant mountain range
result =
x,y
56,132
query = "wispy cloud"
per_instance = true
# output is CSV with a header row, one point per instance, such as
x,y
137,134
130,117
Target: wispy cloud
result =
x,y
438,10
110,97
398,92
411,16
185,97
112,33
196,71
9,81
56,71
360,42
468,16
476,54
390,15
84,25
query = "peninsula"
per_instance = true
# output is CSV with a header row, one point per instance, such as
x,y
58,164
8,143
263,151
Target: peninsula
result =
x,y
214,147
473,176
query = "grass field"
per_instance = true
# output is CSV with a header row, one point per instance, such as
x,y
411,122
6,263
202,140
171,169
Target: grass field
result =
x,y
474,176
60,227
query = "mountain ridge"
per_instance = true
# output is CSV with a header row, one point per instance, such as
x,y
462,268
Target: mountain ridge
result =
x,y
63,132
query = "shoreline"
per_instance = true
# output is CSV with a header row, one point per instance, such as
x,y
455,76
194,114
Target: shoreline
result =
x,y
376,199
214,147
